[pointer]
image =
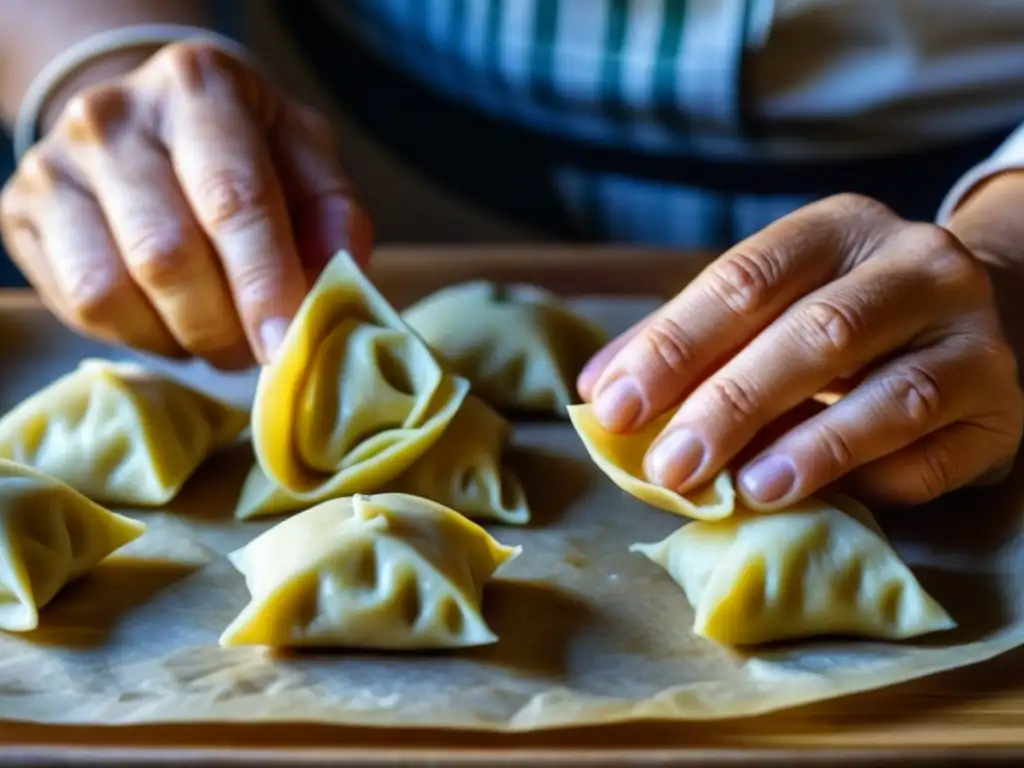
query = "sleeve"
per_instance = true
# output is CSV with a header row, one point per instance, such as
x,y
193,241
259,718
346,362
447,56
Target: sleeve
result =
x,y
1008,157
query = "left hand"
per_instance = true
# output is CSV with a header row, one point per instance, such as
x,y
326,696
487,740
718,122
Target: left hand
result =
x,y
843,296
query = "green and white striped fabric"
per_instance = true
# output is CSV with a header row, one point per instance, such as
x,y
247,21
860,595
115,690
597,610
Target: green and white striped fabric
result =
x,y
818,79
658,75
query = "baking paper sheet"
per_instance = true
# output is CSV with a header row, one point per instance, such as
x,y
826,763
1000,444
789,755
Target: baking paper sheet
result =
x,y
588,632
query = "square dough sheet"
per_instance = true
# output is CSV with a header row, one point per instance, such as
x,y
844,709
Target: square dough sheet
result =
x,y
588,632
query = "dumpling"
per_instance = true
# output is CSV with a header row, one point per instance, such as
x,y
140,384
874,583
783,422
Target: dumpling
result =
x,y
118,433
353,398
51,536
521,349
809,571
261,497
621,457
388,572
462,470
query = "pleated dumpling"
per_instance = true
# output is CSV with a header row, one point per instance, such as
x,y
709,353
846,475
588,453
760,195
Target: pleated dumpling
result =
x,y
809,571
353,397
621,457
462,470
521,349
50,536
118,433
387,572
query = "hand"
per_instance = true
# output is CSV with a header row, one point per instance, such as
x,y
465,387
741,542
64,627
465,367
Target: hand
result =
x,y
183,209
895,317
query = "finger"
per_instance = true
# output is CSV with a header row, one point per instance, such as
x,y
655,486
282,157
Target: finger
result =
x,y
592,371
729,303
91,286
21,239
877,308
951,458
164,249
325,214
221,158
898,405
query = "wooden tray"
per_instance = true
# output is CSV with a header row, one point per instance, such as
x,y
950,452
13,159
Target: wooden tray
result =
x,y
975,714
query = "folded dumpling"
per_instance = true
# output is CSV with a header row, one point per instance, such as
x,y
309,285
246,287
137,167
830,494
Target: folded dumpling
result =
x,y
353,397
521,349
118,433
261,497
621,457
50,536
462,470
809,571
388,572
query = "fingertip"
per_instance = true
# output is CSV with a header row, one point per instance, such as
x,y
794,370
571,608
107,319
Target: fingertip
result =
x,y
619,405
272,332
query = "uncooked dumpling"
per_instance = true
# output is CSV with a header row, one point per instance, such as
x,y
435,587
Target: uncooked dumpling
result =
x,y
118,433
621,457
353,397
521,348
389,572
51,535
462,470
808,571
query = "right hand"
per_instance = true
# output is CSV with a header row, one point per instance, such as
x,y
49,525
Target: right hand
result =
x,y
183,209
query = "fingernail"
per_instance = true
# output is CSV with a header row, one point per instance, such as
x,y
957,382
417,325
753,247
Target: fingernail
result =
x,y
675,458
272,333
618,405
769,480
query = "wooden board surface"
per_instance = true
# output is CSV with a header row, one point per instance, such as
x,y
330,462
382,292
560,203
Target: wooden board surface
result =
x,y
975,713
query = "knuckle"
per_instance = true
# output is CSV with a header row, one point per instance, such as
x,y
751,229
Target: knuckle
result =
x,y
831,327
916,394
852,203
92,296
95,115
195,66
836,449
744,282
212,338
232,199
157,257
735,398
40,169
258,282
945,257
938,469
10,205
668,346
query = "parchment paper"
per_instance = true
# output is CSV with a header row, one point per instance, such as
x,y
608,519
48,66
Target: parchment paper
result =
x,y
588,632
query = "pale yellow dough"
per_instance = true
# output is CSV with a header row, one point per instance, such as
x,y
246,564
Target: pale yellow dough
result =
x,y
50,536
388,572
462,470
621,457
118,433
809,571
517,344
353,397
